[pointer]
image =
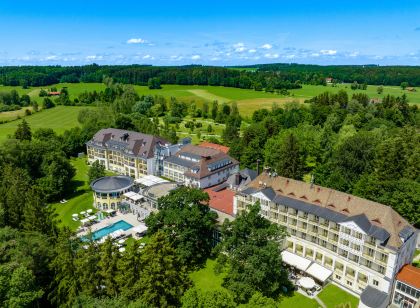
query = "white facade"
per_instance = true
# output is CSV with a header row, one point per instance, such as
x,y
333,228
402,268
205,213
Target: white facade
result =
x,y
356,259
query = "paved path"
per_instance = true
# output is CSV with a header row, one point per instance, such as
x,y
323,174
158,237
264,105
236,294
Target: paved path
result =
x,y
319,301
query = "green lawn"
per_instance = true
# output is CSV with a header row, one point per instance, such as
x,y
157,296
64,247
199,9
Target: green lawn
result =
x,y
58,118
332,296
80,200
205,278
297,300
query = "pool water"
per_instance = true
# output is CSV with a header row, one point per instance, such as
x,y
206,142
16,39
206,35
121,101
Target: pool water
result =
x,y
98,234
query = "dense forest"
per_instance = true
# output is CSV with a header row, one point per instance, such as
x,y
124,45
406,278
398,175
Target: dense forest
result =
x,y
269,77
363,74
141,75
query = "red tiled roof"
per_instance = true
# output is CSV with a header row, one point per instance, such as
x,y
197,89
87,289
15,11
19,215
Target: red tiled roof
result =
x,y
221,200
410,275
53,93
215,146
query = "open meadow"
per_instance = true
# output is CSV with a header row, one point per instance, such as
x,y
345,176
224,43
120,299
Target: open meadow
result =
x,y
62,118
58,118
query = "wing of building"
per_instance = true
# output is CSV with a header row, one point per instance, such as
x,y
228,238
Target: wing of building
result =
x,y
129,153
199,166
359,244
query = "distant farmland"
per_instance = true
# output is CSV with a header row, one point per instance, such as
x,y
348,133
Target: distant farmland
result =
x,y
248,100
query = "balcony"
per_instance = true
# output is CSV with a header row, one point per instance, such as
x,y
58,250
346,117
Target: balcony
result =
x,y
367,256
338,270
362,284
370,244
350,276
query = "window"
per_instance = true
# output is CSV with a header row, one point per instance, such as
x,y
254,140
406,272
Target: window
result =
x,y
337,277
358,235
375,282
349,283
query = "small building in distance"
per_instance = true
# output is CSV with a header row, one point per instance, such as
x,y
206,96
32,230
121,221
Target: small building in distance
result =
x,y
407,288
198,166
129,153
108,191
53,93
329,80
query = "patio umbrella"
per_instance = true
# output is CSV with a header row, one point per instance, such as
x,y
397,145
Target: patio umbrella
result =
x,y
75,215
121,241
306,283
89,211
122,249
82,213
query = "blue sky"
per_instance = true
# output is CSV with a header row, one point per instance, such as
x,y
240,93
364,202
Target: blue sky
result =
x,y
214,32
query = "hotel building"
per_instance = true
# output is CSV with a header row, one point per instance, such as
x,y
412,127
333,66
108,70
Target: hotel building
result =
x,y
407,288
129,153
359,244
199,166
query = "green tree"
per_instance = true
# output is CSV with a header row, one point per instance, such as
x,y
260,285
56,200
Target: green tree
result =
x,y
129,271
260,301
23,131
214,110
209,128
404,85
154,83
109,256
22,289
163,278
285,157
252,246
65,285
380,89
96,171
195,298
47,103
185,217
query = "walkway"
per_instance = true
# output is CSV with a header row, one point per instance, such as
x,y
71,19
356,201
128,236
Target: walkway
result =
x,y
315,297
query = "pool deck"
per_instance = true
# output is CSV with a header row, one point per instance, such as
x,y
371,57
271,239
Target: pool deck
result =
x,y
130,218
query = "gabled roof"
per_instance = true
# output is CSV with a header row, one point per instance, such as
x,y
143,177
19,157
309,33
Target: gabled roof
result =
x,y
363,222
385,223
201,161
131,143
221,199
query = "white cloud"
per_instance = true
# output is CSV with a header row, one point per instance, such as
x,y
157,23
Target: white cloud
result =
x,y
252,50
94,57
267,46
50,58
215,59
315,54
136,41
354,54
148,57
328,52
290,56
196,57
239,47
271,55
176,58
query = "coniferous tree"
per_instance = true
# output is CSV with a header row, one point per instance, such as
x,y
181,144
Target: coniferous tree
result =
x,y
129,271
23,131
96,171
108,267
163,278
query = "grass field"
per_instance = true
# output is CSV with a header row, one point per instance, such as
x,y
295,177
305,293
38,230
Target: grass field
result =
x,y
205,279
332,296
80,200
298,300
248,100
58,118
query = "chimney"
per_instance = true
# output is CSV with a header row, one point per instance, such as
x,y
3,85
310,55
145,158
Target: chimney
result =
x,y
237,178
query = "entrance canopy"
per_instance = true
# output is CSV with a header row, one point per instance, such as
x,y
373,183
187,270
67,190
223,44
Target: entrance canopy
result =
x,y
319,272
294,260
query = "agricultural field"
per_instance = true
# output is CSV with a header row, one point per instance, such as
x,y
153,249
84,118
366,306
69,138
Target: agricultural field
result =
x,y
248,100
58,118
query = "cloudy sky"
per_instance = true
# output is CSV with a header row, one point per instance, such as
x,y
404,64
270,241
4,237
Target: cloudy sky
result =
x,y
217,32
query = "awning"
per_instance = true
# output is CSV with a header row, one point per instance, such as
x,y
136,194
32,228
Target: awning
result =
x,y
140,229
110,211
318,272
129,194
136,197
294,260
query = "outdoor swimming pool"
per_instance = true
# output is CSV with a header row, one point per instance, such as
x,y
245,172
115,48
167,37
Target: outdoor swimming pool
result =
x,y
98,234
